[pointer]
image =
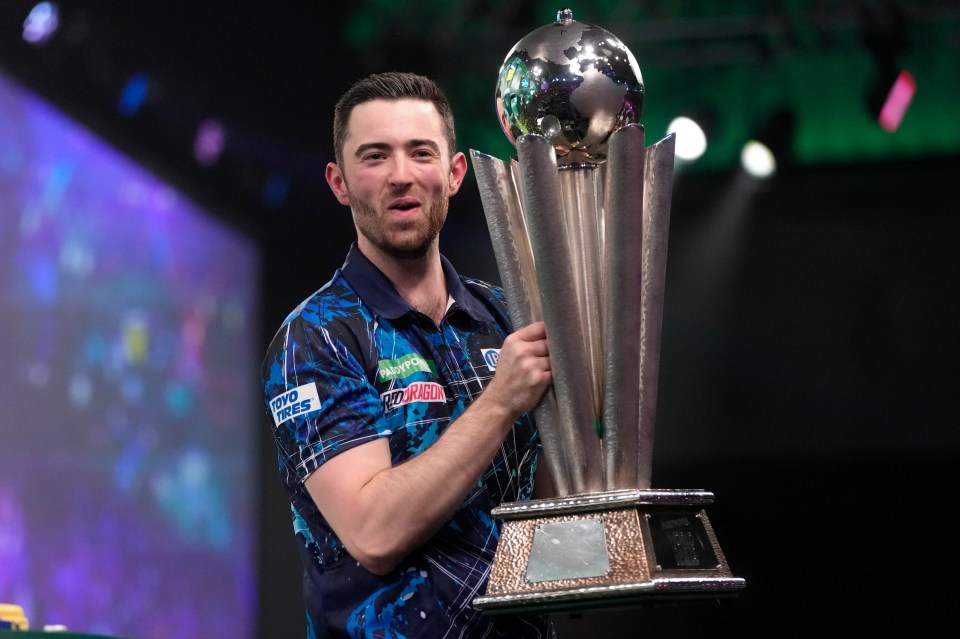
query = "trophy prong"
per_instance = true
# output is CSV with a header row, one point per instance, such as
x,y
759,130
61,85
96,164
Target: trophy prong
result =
x,y
657,194
622,286
511,246
543,213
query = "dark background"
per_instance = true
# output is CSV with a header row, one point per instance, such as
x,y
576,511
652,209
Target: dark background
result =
x,y
808,363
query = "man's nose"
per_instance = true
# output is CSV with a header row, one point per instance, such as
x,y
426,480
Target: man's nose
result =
x,y
400,171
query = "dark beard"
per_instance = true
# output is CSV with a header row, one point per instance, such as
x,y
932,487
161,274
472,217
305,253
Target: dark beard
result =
x,y
414,253
380,239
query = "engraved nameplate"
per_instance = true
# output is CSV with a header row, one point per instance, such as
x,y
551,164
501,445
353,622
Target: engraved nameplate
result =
x,y
568,550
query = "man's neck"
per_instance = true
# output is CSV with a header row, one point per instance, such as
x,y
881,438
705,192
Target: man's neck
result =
x,y
419,281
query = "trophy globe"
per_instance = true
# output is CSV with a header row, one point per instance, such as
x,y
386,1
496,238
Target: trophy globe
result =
x,y
573,83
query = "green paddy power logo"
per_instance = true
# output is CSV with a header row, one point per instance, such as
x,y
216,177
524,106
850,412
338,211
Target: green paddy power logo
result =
x,y
403,366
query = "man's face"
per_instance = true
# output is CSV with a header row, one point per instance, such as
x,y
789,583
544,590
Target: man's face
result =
x,y
397,176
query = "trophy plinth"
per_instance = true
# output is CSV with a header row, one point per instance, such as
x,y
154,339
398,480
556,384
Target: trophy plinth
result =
x,y
610,549
579,223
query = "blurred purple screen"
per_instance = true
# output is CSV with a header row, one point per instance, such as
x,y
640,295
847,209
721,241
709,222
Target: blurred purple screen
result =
x,y
128,327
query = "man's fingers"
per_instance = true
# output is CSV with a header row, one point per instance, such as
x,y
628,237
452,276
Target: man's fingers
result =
x,y
532,332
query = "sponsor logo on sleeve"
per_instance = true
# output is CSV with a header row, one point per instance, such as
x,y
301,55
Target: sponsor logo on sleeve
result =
x,y
401,367
298,401
490,356
415,392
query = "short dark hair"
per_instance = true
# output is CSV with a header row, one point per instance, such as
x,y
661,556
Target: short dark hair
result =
x,y
391,85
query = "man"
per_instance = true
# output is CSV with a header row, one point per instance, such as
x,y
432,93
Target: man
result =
x,y
398,394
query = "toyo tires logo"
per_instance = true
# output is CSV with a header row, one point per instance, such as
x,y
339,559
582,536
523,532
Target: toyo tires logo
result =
x,y
295,402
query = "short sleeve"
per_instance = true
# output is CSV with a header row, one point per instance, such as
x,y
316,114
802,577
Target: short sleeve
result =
x,y
318,395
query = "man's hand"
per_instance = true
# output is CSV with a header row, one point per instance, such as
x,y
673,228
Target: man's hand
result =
x,y
523,370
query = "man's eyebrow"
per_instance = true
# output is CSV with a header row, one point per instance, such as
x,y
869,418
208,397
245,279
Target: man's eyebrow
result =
x,y
378,146
426,142
383,146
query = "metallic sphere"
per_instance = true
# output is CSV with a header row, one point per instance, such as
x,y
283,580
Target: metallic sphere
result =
x,y
572,83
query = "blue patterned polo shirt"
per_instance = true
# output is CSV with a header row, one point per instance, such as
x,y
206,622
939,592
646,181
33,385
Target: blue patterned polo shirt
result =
x,y
355,362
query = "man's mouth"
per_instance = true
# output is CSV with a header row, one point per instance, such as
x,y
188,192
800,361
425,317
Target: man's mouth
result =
x,y
406,204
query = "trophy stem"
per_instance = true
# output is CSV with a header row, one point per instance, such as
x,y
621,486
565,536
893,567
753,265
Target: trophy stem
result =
x,y
581,193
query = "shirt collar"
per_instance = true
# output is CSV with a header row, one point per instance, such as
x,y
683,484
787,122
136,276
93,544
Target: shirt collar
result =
x,y
379,294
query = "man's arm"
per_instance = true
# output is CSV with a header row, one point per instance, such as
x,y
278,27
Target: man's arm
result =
x,y
381,512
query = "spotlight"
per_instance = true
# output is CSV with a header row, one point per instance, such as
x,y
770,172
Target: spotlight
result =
x,y
758,160
41,23
884,35
770,148
890,97
209,142
691,139
134,94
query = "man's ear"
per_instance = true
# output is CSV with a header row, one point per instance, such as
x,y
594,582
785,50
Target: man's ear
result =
x,y
458,170
337,183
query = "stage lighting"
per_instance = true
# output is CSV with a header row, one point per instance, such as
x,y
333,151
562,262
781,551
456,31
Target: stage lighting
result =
x,y
890,98
134,94
691,138
884,35
758,160
41,23
770,148
209,142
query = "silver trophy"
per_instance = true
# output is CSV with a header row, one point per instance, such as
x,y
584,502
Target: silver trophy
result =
x,y
579,223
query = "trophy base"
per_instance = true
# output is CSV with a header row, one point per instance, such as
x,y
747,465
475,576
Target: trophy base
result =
x,y
600,550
